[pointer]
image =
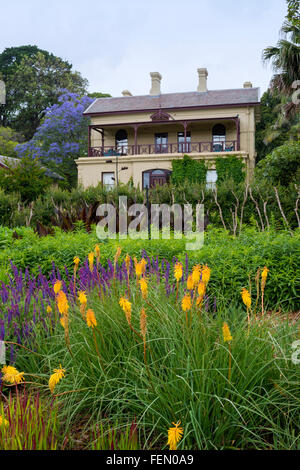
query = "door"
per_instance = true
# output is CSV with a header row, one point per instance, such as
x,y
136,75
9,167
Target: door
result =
x,y
161,143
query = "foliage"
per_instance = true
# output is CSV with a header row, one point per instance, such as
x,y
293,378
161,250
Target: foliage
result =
x,y
230,168
32,423
9,139
178,371
97,94
293,10
231,259
62,136
282,165
34,81
27,178
266,137
187,169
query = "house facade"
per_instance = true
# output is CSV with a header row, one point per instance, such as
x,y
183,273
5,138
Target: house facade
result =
x,y
137,137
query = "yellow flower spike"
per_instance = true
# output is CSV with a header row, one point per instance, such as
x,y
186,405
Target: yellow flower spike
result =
x,y
117,254
63,322
48,309
264,275
186,303
3,422
126,306
196,274
201,289
143,323
174,435
246,298
56,377
91,257
206,274
76,261
127,262
143,264
57,286
97,252
62,303
178,271
82,297
12,375
190,282
144,287
138,269
226,333
90,318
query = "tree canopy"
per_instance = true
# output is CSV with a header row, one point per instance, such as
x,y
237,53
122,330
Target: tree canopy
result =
x,y
62,136
34,80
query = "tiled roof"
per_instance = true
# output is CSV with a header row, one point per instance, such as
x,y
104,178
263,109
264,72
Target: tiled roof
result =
x,y
174,101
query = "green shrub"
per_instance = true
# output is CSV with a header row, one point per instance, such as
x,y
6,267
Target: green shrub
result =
x,y
230,168
282,165
187,169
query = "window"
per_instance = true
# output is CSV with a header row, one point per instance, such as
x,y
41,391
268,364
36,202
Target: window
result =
x,y
161,143
211,179
122,142
219,137
182,148
108,180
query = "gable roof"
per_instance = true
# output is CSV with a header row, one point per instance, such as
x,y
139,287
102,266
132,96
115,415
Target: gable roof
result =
x,y
215,98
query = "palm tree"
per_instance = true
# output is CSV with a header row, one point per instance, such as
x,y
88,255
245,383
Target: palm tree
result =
x,y
285,58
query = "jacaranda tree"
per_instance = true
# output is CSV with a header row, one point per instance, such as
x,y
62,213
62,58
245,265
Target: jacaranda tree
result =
x,y
62,136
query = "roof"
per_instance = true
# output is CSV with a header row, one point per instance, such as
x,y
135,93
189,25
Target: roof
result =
x,y
249,96
15,162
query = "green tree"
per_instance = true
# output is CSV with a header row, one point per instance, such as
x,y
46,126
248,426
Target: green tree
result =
x,y
97,94
27,178
34,81
9,139
282,166
268,138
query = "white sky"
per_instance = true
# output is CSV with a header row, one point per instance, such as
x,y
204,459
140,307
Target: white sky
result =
x,y
116,43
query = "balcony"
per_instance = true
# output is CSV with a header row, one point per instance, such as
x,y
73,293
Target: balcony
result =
x,y
168,148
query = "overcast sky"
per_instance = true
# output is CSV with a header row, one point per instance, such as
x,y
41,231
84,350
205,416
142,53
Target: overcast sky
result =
x,y
116,43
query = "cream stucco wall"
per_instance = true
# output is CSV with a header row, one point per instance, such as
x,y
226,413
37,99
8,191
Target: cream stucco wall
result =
x,y
90,169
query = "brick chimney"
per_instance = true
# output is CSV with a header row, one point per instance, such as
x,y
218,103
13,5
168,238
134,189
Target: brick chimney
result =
x,y
248,85
155,83
203,74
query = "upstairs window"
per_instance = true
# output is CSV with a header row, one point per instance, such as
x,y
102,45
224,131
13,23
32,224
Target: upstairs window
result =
x,y
219,137
122,142
182,146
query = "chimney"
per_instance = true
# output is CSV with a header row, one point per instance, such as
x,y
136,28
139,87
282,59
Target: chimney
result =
x,y
203,74
155,83
126,93
248,85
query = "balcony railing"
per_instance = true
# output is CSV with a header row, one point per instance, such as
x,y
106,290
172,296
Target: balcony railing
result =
x,y
152,149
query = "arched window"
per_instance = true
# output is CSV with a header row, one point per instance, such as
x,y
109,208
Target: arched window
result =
x,y
219,137
122,142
